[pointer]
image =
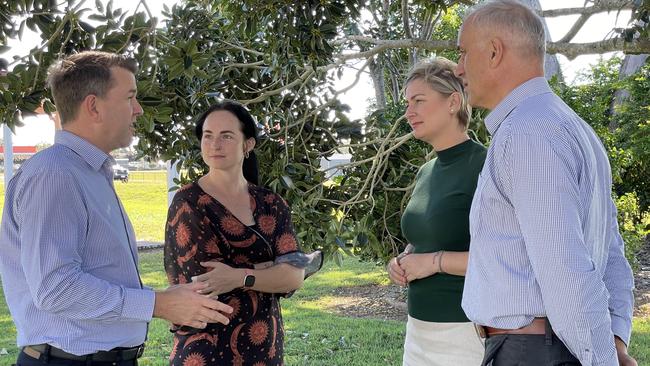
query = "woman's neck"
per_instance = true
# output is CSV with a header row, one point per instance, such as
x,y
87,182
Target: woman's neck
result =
x,y
447,140
226,182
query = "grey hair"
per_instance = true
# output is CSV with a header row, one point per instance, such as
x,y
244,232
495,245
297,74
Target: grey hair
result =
x,y
520,22
439,74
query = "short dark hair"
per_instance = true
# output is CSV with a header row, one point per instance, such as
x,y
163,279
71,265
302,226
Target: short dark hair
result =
x,y
75,77
248,128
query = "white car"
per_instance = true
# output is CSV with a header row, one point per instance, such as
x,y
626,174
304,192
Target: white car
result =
x,y
121,173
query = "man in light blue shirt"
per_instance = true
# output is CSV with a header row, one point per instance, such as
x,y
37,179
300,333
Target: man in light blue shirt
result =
x,y
547,277
68,254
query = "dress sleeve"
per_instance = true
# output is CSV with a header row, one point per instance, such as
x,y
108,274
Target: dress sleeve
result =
x,y
182,240
288,250
284,240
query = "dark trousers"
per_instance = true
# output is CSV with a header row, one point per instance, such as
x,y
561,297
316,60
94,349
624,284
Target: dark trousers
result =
x,y
524,350
26,360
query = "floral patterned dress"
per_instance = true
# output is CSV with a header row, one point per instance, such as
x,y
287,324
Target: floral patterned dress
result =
x,y
199,229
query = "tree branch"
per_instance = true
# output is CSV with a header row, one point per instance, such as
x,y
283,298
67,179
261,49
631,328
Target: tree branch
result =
x,y
405,19
264,96
570,50
573,50
253,52
599,7
575,28
382,45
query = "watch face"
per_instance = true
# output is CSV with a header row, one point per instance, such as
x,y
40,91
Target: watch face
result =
x,y
249,281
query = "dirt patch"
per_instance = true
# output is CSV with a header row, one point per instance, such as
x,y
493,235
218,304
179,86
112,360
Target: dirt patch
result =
x,y
370,301
388,302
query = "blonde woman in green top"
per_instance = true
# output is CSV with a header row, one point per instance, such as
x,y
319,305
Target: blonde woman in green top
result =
x,y
436,221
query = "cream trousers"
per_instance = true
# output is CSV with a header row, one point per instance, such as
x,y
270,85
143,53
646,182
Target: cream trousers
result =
x,y
441,344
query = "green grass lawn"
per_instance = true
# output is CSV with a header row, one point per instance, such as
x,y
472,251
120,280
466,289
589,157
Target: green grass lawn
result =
x,y
145,200
315,335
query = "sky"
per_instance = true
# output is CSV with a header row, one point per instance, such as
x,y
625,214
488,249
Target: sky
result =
x,y
41,130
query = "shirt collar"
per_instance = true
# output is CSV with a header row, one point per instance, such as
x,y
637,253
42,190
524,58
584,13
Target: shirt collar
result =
x,y
532,87
95,157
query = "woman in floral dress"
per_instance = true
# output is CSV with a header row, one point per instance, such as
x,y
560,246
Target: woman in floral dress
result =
x,y
237,238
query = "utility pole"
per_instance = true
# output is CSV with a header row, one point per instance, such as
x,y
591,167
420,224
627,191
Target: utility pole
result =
x,y
7,138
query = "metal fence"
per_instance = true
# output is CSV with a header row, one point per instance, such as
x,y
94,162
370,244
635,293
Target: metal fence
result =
x,y
148,176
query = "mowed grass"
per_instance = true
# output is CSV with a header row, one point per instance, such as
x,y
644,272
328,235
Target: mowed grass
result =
x,y
315,335
144,197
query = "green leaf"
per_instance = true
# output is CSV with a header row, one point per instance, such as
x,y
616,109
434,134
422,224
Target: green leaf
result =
x,y
187,62
287,182
97,17
164,114
87,27
362,239
149,124
21,30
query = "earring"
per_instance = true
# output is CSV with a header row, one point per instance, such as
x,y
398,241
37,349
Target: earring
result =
x,y
246,154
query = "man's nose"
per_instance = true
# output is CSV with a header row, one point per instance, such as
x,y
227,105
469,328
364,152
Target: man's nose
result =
x,y
138,109
459,70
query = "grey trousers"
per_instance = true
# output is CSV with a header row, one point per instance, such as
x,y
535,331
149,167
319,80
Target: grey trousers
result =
x,y
527,350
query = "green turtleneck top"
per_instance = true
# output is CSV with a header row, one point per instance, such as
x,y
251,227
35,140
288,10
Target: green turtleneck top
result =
x,y
437,218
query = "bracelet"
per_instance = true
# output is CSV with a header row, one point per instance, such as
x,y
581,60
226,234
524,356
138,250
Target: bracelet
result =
x,y
440,262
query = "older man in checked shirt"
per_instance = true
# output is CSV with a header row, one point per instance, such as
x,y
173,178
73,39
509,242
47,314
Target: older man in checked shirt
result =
x,y
547,279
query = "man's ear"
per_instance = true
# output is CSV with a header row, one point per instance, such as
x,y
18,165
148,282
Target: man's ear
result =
x,y
496,51
89,107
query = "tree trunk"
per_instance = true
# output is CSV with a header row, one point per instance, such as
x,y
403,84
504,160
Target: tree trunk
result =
x,y
379,83
630,65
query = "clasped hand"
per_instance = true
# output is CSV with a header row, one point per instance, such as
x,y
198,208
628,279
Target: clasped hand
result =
x,y
408,267
220,278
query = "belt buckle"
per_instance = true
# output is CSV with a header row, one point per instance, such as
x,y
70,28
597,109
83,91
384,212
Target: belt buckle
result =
x,y
140,351
480,330
32,352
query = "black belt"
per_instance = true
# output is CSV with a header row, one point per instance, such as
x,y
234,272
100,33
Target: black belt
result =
x,y
114,355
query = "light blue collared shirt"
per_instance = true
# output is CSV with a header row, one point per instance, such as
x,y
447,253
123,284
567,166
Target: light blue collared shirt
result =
x,y
68,253
544,235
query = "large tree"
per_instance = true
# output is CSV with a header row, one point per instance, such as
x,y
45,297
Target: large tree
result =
x,y
281,59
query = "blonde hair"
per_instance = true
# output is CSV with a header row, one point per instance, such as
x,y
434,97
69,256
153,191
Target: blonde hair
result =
x,y
439,74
